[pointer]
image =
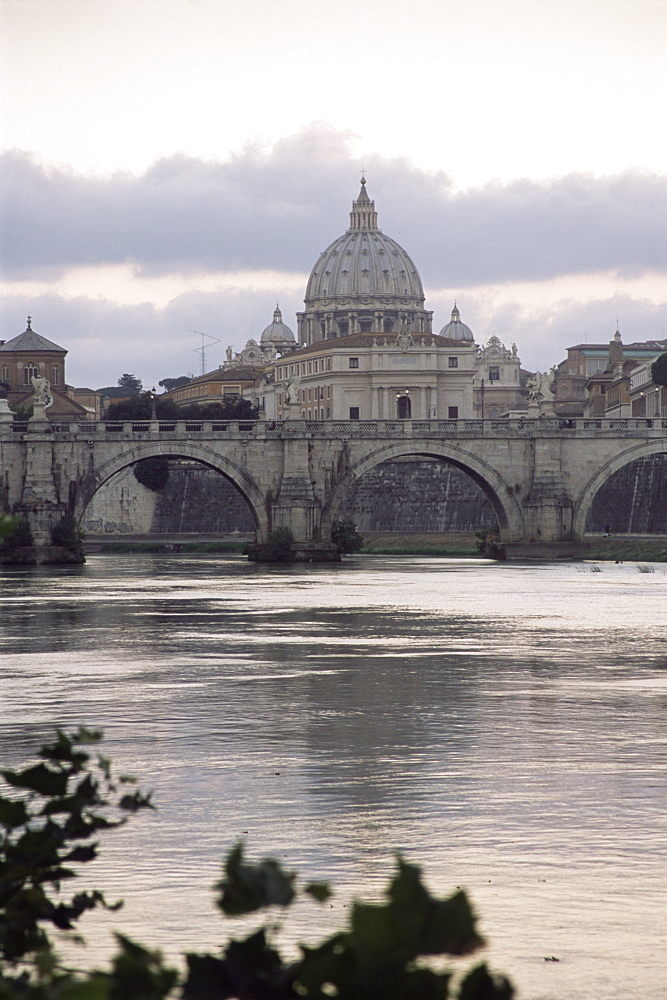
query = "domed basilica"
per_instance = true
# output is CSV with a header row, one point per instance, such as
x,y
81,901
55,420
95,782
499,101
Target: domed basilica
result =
x,y
364,347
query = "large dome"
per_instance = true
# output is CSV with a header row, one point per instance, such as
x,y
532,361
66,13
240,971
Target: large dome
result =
x,y
363,282
364,261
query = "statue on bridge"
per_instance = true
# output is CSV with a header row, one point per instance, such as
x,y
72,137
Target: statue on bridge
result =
x,y
292,392
541,392
42,391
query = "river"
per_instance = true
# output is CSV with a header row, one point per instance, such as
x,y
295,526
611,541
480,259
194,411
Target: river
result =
x,y
503,725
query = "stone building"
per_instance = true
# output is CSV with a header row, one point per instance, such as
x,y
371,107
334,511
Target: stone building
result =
x,y
582,378
31,356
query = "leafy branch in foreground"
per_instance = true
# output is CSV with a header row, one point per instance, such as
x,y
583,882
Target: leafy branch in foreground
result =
x,y
47,823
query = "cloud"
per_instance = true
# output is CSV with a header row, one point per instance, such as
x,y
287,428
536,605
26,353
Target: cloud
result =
x,y
105,339
277,206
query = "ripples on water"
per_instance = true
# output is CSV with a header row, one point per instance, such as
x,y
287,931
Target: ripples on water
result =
x,y
503,725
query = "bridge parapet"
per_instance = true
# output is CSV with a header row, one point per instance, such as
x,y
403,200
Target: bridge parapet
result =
x,y
463,428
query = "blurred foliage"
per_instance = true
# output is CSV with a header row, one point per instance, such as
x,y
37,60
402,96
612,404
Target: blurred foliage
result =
x,y
48,821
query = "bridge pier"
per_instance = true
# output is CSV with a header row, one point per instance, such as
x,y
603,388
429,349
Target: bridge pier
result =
x,y
40,504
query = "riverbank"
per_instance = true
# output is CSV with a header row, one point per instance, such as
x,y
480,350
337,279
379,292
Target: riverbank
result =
x,y
458,545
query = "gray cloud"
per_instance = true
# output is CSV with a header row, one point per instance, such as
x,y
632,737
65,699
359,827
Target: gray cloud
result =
x,y
277,207
105,339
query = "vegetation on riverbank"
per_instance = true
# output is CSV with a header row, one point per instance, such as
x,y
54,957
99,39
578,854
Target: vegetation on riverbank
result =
x,y
615,549
387,543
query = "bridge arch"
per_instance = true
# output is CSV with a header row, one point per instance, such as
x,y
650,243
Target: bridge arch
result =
x,y
95,479
499,493
584,501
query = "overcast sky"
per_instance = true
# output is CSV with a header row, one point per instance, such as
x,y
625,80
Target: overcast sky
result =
x,y
173,168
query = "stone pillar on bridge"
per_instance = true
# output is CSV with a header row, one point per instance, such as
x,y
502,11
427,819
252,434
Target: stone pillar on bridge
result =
x,y
40,504
295,506
548,509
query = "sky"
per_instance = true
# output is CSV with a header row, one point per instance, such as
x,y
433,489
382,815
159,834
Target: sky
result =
x,y
170,169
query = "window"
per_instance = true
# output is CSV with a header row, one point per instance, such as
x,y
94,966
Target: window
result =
x,y
452,362
56,375
29,371
494,373
310,367
5,374
453,412
354,413
404,407
354,362
328,364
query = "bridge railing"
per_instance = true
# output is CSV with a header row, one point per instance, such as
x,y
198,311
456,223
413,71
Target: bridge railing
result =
x,y
462,428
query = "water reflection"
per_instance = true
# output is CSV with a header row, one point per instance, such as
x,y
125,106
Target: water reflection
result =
x,y
501,724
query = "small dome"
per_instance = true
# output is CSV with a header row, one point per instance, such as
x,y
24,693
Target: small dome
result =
x,y
277,334
455,329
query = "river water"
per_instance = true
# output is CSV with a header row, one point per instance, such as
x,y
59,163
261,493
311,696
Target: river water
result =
x,y
502,725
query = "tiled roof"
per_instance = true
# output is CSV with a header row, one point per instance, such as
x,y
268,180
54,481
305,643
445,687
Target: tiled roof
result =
x,y
31,341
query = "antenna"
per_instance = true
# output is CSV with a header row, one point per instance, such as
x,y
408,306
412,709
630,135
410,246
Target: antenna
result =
x,y
201,351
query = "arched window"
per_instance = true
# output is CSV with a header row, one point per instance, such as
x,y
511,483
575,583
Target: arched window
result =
x,y
404,408
29,371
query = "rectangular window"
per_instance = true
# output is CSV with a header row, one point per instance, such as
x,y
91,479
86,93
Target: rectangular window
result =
x,y
315,367
452,362
453,412
354,413
310,367
5,374
354,362
328,364
291,369
56,374
494,373
328,412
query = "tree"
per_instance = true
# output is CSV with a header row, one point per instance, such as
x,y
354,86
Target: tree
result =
x,y
345,536
153,473
48,823
659,370
130,383
67,534
16,533
174,383
141,408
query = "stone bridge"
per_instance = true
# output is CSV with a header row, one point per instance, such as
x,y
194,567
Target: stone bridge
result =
x,y
540,474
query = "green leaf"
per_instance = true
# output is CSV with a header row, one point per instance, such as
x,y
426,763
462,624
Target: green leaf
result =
x,y
480,984
247,888
38,778
13,813
320,891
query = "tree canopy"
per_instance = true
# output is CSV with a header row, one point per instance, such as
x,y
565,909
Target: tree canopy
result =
x,y
174,383
131,383
659,370
141,408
